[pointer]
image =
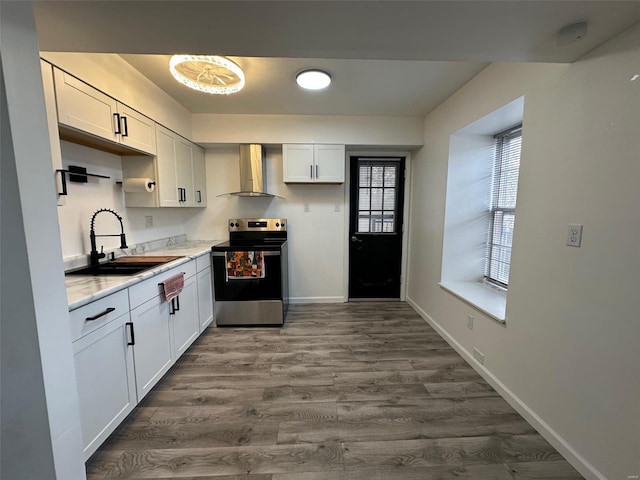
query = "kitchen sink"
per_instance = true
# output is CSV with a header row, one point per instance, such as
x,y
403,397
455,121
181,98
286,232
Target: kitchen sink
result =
x,y
124,265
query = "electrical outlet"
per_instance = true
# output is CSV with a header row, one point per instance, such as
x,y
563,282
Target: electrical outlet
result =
x,y
306,208
337,208
148,221
478,355
574,235
469,321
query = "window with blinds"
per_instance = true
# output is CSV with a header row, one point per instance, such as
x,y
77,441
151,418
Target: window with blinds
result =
x,y
377,196
503,205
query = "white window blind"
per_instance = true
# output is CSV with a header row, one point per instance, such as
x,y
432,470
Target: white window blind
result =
x,y
377,196
503,205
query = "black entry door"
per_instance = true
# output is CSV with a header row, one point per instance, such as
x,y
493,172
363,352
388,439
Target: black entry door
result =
x,y
375,227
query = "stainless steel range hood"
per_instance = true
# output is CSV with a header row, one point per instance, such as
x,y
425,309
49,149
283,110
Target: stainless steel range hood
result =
x,y
253,172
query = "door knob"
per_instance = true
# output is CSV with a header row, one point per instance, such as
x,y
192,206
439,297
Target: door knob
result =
x,y
355,239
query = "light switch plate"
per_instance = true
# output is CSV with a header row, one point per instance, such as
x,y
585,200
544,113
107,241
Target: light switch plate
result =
x,y
574,235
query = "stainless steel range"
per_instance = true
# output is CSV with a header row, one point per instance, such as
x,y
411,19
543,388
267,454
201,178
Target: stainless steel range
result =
x,y
250,273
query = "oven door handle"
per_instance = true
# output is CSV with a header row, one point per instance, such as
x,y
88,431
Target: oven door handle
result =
x,y
270,253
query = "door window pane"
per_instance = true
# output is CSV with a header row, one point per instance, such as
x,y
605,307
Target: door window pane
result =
x,y
364,199
364,176
377,176
377,192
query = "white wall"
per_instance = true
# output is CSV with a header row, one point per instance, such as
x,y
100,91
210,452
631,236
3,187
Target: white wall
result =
x,y
85,198
392,132
467,219
117,78
316,238
568,355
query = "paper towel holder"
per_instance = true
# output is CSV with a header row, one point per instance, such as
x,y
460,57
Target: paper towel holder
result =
x,y
120,182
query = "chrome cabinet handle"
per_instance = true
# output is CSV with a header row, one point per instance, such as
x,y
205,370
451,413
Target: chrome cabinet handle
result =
x,y
310,171
317,172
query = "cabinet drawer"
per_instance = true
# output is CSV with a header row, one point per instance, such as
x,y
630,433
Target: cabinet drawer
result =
x,y
85,320
145,291
203,261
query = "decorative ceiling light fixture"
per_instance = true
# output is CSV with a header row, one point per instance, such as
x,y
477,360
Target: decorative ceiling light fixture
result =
x,y
313,79
207,73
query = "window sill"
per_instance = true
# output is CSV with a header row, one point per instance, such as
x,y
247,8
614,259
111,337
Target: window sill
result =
x,y
482,297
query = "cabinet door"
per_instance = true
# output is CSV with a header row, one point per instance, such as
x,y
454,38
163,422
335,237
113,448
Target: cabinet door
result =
x,y
166,165
185,322
83,107
184,171
152,351
137,131
205,298
105,380
52,123
330,163
199,177
297,163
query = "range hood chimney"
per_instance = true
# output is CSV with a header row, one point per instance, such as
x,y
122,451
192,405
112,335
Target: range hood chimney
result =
x,y
253,172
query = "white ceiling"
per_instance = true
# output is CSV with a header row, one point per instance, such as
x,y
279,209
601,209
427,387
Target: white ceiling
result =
x,y
359,87
386,57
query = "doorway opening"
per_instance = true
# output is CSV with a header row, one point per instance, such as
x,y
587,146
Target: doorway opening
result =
x,y
376,200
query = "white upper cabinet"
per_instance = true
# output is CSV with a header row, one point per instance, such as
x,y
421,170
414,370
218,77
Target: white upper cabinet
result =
x,y
310,163
167,179
88,110
329,163
199,177
178,169
137,131
184,172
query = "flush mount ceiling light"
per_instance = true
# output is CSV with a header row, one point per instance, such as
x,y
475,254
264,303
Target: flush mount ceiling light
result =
x,y
571,34
313,79
207,73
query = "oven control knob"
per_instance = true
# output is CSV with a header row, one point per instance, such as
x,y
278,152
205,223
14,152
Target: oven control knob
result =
x,y
277,224
231,224
237,224
282,224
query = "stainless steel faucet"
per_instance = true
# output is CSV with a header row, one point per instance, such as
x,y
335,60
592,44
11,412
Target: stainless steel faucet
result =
x,y
95,255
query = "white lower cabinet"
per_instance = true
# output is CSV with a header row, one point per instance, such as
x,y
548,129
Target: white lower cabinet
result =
x,y
120,354
205,298
105,379
153,349
185,319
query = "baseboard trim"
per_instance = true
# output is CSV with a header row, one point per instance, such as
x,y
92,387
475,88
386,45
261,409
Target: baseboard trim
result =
x,y
316,300
554,438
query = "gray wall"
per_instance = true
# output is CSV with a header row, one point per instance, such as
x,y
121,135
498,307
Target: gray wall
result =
x,y
41,436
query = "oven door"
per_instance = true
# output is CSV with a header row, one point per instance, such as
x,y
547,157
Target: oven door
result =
x,y
248,289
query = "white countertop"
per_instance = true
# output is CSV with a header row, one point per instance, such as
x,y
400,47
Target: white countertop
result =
x,y
84,289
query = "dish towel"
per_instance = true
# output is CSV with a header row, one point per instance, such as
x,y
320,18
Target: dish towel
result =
x,y
245,265
172,286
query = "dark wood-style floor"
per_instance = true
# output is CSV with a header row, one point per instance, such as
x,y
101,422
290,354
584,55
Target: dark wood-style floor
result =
x,y
358,391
